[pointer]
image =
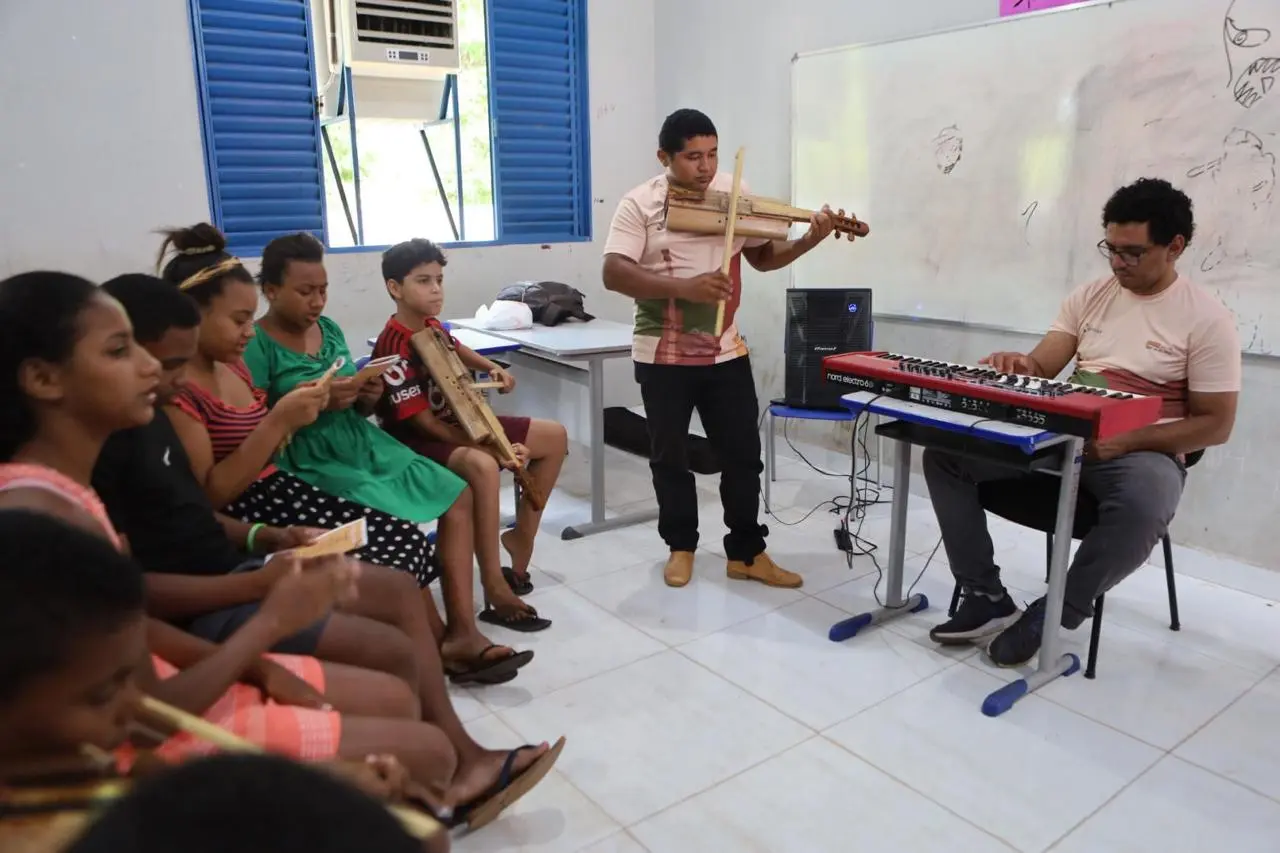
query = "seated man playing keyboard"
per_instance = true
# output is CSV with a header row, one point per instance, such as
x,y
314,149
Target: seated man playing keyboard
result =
x,y
1144,329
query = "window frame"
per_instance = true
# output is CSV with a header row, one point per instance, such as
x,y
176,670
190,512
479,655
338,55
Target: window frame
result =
x,y
577,116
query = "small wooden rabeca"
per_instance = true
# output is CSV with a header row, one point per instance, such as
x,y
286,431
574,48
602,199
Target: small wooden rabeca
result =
x,y
462,395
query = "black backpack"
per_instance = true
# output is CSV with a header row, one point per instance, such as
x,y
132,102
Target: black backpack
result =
x,y
550,301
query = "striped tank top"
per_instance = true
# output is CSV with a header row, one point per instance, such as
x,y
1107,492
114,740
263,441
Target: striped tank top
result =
x,y
228,426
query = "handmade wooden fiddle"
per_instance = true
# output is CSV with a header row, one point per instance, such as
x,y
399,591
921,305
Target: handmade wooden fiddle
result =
x,y
462,395
44,808
706,212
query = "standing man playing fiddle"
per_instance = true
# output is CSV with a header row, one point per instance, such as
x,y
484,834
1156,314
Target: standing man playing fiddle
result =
x,y
1143,329
681,364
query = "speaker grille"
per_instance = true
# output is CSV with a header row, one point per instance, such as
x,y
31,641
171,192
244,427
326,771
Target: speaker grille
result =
x,y
822,322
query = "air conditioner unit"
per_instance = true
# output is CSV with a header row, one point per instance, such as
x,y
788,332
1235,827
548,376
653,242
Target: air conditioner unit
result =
x,y
404,39
398,51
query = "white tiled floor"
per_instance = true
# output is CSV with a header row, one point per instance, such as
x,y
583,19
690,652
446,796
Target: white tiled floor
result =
x,y
719,717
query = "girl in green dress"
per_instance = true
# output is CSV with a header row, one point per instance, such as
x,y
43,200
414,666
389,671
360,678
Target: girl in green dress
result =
x,y
342,453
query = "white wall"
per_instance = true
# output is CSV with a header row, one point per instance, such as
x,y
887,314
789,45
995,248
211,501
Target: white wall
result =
x,y
99,133
743,82
101,146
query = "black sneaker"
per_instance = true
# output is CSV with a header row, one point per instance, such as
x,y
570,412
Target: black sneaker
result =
x,y
1019,643
977,617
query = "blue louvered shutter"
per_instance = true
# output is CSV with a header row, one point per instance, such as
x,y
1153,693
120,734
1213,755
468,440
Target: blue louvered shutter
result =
x,y
538,119
257,104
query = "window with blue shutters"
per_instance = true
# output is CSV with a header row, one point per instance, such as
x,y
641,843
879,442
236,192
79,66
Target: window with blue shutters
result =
x,y
271,166
257,103
538,119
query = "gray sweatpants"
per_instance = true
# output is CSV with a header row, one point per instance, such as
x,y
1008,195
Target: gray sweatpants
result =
x,y
1137,495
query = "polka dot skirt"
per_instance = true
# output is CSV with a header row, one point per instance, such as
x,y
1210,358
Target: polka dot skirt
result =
x,y
282,500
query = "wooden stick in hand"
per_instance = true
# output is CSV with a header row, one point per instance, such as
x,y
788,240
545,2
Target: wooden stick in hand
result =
x,y
729,224
415,823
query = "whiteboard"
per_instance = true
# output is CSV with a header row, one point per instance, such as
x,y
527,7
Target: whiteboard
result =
x,y
981,157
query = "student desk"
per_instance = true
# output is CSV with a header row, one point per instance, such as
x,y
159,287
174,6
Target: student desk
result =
x,y
1019,447
576,351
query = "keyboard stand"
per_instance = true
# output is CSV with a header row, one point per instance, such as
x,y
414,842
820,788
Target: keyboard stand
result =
x,y
1018,447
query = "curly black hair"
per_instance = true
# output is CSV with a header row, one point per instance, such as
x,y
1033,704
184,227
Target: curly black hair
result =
x,y
1166,209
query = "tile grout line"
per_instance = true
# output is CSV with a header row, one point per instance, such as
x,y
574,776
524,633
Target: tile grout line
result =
x,y
1196,731
1226,708
622,830
884,771
1064,836
812,736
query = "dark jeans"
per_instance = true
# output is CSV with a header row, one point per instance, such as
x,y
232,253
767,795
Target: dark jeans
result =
x,y
1137,495
725,396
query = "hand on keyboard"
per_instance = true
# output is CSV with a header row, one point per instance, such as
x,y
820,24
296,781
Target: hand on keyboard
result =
x,y
1012,362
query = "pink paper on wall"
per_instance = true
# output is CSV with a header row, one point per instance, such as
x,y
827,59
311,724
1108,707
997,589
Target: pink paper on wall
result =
x,y
1017,7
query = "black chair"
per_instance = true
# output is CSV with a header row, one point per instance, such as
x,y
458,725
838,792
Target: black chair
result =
x,y
1037,508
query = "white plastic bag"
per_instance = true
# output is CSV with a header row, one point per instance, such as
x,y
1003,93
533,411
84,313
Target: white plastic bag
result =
x,y
505,316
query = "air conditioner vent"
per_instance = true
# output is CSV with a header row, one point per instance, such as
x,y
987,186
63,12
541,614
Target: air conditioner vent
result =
x,y
411,23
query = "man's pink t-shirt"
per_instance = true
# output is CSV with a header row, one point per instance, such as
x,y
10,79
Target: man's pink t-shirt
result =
x,y
676,331
1180,340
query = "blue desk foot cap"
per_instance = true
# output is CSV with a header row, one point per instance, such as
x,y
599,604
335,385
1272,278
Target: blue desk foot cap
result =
x,y
569,534
924,602
1075,663
1004,698
847,628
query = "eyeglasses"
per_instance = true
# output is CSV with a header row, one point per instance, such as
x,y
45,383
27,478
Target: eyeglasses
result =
x,y
1128,255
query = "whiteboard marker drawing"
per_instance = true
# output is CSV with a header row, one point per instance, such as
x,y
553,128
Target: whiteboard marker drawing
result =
x,y
1253,61
948,148
1244,178
1028,212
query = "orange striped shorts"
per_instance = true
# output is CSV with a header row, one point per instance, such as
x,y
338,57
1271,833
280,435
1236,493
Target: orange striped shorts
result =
x,y
301,733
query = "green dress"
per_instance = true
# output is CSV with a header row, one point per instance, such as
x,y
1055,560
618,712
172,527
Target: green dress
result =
x,y
342,453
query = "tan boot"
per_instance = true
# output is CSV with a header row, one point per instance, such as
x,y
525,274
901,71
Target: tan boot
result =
x,y
679,568
765,570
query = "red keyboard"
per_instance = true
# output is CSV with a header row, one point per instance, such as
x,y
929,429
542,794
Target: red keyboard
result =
x,y
1062,407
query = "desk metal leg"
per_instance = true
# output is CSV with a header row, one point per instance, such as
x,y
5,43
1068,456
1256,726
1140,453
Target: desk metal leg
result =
x,y
770,461
1053,663
894,606
598,523
879,458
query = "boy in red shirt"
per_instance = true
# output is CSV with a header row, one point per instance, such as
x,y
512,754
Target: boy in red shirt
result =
x,y
415,412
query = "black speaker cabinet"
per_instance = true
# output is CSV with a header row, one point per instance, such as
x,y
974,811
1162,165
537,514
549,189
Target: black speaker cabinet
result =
x,y
822,322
